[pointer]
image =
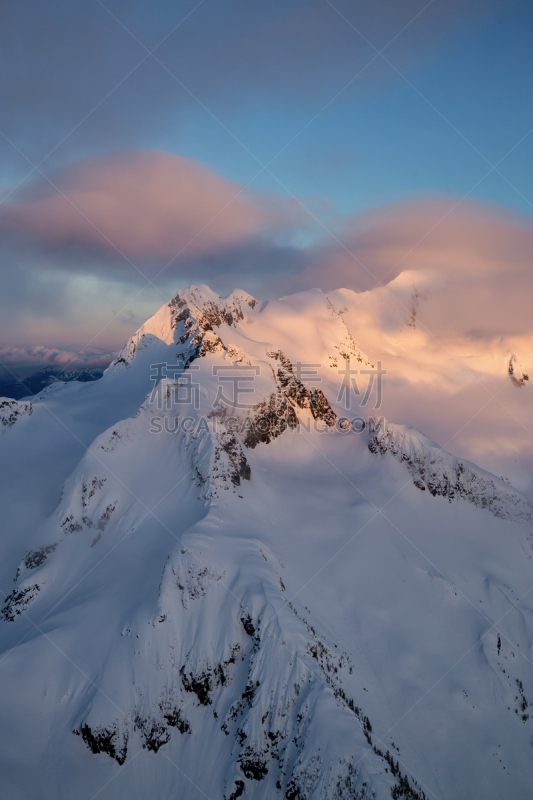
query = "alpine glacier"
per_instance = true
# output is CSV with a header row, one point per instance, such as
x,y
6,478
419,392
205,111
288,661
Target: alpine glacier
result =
x,y
261,599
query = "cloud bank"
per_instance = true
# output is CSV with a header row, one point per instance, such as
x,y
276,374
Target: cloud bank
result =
x,y
474,260
23,360
144,205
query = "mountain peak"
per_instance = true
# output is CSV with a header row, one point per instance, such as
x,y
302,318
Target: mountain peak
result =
x,y
197,306
201,294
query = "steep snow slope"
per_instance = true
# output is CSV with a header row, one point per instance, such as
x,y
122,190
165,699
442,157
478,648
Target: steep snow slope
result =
x,y
263,602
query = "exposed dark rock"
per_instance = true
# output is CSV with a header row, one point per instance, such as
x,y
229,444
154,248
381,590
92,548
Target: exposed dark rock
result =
x,y
11,410
176,302
105,516
293,791
240,466
155,730
70,524
253,766
248,625
320,408
211,343
200,685
105,740
518,377
34,558
404,789
238,790
273,416
175,719
269,420
249,693
17,602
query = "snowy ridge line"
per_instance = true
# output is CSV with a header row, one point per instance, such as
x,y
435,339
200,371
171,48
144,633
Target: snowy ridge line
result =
x,y
445,475
347,348
219,460
188,319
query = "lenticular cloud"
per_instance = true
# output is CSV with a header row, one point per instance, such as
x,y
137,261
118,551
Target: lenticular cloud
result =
x,y
144,204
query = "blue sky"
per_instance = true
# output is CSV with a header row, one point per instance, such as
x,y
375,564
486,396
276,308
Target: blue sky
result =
x,y
427,132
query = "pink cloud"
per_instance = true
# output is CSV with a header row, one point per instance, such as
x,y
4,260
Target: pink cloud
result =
x,y
146,204
41,356
435,233
480,259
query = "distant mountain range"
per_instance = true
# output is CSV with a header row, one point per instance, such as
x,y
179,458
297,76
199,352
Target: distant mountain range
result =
x,y
17,388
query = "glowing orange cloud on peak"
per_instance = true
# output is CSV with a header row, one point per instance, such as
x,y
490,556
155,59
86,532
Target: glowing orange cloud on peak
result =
x,y
448,235
475,260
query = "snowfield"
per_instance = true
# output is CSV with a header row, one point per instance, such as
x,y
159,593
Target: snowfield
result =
x,y
263,602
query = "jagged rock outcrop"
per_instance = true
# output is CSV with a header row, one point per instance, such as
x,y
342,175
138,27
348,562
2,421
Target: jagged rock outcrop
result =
x,y
279,411
444,475
517,373
189,320
11,411
18,601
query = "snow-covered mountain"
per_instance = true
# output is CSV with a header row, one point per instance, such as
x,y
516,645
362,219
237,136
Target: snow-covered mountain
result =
x,y
226,575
